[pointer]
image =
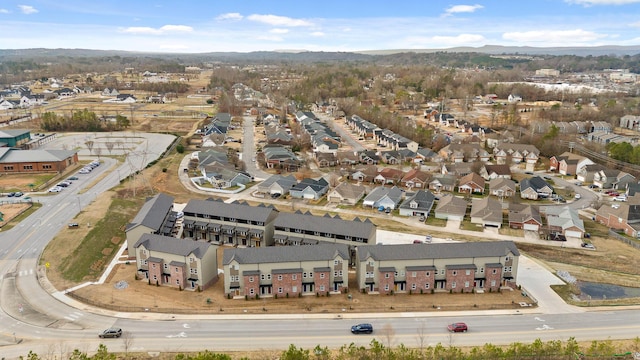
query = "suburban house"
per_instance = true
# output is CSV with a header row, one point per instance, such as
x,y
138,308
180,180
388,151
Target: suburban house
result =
x,y
451,208
369,157
525,217
364,173
612,179
326,159
415,178
507,153
312,189
346,193
278,156
457,169
502,187
156,216
290,271
306,229
428,268
623,216
457,153
471,184
277,184
222,176
389,176
219,124
180,263
564,220
417,204
487,212
587,173
568,163
229,223
631,122
347,158
490,172
383,197
443,183
534,188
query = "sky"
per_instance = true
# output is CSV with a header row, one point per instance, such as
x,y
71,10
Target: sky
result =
x,y
197,26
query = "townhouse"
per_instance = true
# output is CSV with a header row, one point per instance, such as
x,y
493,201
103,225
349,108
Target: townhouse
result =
x,y
623,216
156,216
568,163
426,268
286,271
179,263
229,223
306,229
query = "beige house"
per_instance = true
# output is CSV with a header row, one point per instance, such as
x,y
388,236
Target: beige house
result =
x,y
179,263
346,193
427,268
290,271
156,216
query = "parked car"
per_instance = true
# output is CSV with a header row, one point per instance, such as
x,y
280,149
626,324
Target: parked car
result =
x,y
428,239
362,329
111,333
11,194
588,246
418,242
458,327
73,178
422,218
577,196
578,183
55,189
73,225
614,193
592,186
18,194
620,198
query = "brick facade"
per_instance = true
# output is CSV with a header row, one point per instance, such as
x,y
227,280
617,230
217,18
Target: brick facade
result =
x,y
460,278
287,282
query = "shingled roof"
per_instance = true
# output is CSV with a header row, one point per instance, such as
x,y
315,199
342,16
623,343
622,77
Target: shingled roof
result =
x,y
437,251
232,210
323,225
153,212
171,245
280,254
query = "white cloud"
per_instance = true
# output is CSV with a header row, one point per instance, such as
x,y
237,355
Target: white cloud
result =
x,y
462,9
317,34
276,20
159,31
27,9
4,11
635,24
602,2
279,31
230,16
553,37
270,38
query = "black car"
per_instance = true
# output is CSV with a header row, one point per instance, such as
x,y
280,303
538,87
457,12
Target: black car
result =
x,y
111,333
362,329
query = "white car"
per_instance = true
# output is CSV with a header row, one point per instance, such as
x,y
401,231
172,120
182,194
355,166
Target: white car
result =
x,y
55,189
620,198
578,196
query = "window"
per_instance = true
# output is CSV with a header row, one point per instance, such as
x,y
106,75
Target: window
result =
x,y
279,277
395,273
321,275
426,286
251,291
153,266
304,275
46,167
506,258
336,262
442,272
386,275
8,168
261,276
155,277
250,278
369,274
177,281
310,275
468,272
481,270
453,285
414,286
279,290
177,269
166,266
428,273
372,263
386,287
193,271
494,271
27,167
145,262
294,276
507,269
454,273
268,276
321,287
414,274
401,272
466,284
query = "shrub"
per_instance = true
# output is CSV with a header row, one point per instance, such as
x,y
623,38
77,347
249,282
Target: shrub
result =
x,y
287,295
257,296
164,170
421,291
275,296
450,291
433,291
180,148
328,293
410,292
228,296
246,297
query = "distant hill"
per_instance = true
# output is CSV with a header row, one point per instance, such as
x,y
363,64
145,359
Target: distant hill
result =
x,y
523,50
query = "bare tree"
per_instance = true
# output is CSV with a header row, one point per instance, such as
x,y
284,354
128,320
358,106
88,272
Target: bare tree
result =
x,y
98,152
388,333
127,342
109,145
89,144
422,335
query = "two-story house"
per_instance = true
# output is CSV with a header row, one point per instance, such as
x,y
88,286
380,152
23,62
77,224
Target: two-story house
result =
x,y
154,217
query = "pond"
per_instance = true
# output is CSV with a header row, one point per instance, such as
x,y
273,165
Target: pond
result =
x,y
599,291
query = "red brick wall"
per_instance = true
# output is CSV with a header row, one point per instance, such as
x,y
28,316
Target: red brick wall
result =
x,y
319,281
384,281
178,276
421,279
459,276
155,268
489,276
248,285
287,282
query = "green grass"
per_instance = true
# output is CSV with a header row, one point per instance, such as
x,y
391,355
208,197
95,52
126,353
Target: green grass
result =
x,y
431,220
88,260
467,225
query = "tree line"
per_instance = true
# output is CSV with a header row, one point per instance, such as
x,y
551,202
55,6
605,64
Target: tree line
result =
x,y
82,120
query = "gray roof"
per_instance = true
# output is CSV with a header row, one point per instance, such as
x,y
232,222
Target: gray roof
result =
x,y
171,245
423,198
153,212
286,182
321,224
394,194
19,156
233,210
437,251
13,133
280,254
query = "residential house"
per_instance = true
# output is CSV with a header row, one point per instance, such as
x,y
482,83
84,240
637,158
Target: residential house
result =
x,y
512,98
612,179
223,176
623,216
277,184
606,137
278,156
568,163
386,197
587,173
306,229
347,158
233,223
490,172
179,263
311,189
286,271
346,193
534,188
487,212
110,92
426,155
471,184
389,176
219,124
369,157
502,187
451,208
419,203
326,159
507,153
456,152
631,122
525,217
564,220
415,178
365,173
425,268
156,216
457,169
443,183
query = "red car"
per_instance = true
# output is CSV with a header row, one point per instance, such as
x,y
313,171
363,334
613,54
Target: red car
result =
x,y
613,194
457,327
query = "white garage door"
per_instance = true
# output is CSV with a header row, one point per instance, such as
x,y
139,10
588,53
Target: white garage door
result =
x,y
455,218
533,227
576,234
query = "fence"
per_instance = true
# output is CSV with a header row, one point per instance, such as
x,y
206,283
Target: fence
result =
x,y
625,239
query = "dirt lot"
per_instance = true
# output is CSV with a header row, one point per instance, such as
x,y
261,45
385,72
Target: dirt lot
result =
x,y
11,210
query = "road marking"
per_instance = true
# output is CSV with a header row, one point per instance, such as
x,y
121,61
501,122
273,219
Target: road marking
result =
x,y
182,334
537,318
74,316
544,327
